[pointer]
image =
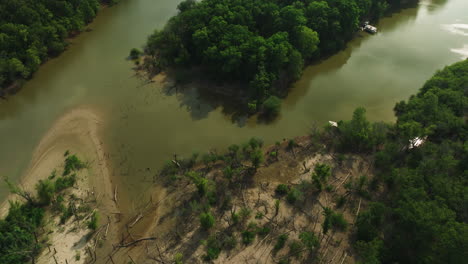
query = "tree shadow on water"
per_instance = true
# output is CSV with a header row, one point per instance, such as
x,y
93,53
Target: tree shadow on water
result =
x,y
200,96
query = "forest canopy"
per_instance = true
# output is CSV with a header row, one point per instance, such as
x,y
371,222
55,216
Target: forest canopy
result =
x,y
423,216
263,44
33,30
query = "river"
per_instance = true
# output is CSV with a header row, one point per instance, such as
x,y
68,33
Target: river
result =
x,y
145,125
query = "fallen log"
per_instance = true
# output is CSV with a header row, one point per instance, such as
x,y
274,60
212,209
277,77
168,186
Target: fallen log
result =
x,y
136,242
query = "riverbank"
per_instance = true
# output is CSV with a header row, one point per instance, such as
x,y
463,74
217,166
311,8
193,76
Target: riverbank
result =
x,y
21,68
247,204
77,132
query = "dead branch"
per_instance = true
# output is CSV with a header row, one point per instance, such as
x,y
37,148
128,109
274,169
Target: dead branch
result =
x,y
139,217
136,242
115,194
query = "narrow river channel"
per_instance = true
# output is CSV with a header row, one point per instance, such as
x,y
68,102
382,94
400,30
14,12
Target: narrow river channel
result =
x,y
145,125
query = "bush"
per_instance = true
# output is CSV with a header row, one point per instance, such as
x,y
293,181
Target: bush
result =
x,y
333,220
272,106
295,248
257,158
65,182
93,222
293,195
264,230
135,53
229,242
72,163
213,248
282,189
281,242
200,182
309,240
255,143
248,236
207,220
45,191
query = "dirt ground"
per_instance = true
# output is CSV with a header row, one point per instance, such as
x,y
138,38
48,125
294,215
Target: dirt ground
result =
x,y
170,231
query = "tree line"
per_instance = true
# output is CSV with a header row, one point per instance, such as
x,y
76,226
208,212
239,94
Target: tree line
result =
x,y
33,30
264,44
422,216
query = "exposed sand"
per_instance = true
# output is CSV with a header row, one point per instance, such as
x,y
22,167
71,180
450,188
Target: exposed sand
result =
x,y
78,132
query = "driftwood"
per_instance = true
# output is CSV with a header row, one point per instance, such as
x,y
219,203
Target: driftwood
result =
x,y
139,217
359,208
136,242
107,227
347,176
115,194
345,255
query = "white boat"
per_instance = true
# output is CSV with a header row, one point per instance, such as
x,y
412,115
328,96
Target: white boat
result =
x,y
370,29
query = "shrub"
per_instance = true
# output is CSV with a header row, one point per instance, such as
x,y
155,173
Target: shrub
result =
x,y
295,248
272,105
229,242
281,242
207,220
252,106
65,182
45,191
248,236
282,189
244,213
135,53
340,201
293,195
93,222
309,240
72,163
200,182
257,158
333,219
213,248
264,230
235,218
178,257
255,143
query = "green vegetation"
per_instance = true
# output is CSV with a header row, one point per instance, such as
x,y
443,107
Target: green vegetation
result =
x,y
207,220
280,242
262,44
93,222
282,189
135,53
333,220
320,175
33,30
21,232
272,106
423,217
309,240
408,206
72,163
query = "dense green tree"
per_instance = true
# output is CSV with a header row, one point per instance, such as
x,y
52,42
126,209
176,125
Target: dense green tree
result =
x,y
261,43
33,30
423,217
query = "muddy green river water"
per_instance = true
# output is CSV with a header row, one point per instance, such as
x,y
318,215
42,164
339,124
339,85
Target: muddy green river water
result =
x,y
145,125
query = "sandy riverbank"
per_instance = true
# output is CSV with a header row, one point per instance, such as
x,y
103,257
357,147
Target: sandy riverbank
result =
x,y
78,132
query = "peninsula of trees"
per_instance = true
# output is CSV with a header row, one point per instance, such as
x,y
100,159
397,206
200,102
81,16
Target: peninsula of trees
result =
x,y
33,30
263,44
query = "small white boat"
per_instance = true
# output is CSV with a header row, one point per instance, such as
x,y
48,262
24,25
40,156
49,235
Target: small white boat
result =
x,y
370,29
